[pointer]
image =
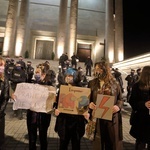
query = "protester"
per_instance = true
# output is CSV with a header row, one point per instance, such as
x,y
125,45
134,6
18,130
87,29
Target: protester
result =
x,y
130,78
79,78
38,121
88,65
4,97
108,134
68,126
140,103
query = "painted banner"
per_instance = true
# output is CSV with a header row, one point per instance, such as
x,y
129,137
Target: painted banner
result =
x,y
73,100
104,105
38,98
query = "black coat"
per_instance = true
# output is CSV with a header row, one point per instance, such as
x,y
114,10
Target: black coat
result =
x,y
140,128
4,96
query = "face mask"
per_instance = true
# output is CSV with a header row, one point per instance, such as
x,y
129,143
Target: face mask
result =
x,y
1,69
37,77
100,73
28,65
69,79
18,67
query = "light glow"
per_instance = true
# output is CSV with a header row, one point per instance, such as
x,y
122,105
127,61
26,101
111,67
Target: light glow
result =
x,y
6,46
133,62
18,48
60,51
120,56
111,56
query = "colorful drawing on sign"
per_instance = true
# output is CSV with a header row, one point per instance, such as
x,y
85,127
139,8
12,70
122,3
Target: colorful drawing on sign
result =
x,y
67,101
83,103
73,100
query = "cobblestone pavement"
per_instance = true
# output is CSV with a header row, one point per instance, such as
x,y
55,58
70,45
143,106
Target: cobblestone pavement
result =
x,y
17,139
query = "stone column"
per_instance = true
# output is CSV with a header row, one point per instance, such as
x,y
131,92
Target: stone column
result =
x,y
9,37
61,33
21,28
119,48
109,34
73,27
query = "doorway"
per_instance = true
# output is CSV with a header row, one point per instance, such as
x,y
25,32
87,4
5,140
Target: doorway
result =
x,y
83,51
44,49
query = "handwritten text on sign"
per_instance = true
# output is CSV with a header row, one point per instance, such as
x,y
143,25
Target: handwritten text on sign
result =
x,y
35,97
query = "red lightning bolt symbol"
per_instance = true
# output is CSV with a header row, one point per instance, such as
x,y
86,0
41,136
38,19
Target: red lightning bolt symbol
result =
x,y
104,100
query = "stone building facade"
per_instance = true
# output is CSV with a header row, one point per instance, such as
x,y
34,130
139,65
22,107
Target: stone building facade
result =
x,y
45,27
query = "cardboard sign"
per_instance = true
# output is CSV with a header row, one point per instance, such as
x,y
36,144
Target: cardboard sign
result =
x,y
104,105
35,97
73,100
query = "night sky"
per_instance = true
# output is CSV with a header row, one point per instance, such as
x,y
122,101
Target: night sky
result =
x,y
136,18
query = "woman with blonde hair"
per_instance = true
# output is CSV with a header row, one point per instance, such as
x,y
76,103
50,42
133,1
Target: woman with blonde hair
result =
x,y
140,103
4,97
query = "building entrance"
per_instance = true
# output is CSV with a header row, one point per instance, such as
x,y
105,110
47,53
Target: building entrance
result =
x,y
83,51
44,49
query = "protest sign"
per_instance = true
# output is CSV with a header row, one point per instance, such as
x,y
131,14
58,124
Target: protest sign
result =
x,y
73,100
38,98
104,104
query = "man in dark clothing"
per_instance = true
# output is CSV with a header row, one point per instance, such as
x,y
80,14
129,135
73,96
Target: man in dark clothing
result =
x,y
66,60
18,75
118,77
74,60
130,82
137,76
62,61
65,57
88,65
8,68
22,63
30,72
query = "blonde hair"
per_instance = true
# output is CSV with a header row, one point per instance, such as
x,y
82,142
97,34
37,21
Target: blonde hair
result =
x,y
2,63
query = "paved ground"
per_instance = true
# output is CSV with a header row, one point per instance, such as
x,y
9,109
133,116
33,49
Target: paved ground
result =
x,y
17,139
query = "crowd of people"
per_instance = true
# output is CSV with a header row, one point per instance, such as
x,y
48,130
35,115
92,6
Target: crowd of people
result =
x,y
108,134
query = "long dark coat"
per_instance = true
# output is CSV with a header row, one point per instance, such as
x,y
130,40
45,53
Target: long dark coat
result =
x,y
115,131
140,128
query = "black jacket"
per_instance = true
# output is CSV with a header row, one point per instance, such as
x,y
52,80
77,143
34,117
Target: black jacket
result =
x,y
140,128
17,76
4,96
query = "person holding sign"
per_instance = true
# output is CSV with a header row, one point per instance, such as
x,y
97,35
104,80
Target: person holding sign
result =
x,y
70,127
4,97
108,134
39,120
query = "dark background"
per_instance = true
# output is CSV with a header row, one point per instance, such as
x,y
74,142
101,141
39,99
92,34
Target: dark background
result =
x,y
136,21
